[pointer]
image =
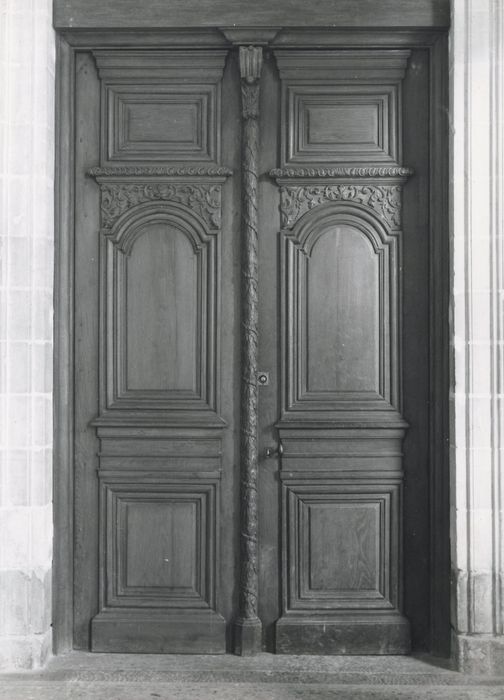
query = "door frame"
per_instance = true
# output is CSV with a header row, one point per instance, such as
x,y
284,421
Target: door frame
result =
x,y
435,41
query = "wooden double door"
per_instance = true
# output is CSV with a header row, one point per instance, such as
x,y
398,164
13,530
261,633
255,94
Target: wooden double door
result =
x,y
251,350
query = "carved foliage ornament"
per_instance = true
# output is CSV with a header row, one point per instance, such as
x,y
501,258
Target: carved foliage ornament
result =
x,y
250,71
203,199
343,171
385,200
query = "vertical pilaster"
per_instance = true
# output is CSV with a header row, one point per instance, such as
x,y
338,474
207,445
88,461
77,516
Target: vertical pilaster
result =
x,y
478,334
248,629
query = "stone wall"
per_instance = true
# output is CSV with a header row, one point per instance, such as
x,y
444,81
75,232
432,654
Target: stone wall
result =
x,y
477,483
26,309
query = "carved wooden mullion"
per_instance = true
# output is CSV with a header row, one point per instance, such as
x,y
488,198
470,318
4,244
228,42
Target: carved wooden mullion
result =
x,y
248,628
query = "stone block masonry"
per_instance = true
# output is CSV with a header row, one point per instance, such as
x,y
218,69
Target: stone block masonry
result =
x,y
477,484
27,58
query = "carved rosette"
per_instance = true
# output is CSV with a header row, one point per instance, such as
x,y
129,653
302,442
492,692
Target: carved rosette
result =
x,y
250,67
385,200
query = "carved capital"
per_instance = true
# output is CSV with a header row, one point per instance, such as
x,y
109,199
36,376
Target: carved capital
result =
x,y
203,199
250,63
250,70
385,200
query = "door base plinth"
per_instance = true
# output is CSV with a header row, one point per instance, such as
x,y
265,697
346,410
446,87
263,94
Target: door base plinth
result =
x,y
248,637
372,634
159,633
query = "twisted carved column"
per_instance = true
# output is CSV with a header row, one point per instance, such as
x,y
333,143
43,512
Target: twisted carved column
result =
x,y
248,629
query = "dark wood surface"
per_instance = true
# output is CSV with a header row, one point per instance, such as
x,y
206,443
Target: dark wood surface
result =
x,y
157,369
129,14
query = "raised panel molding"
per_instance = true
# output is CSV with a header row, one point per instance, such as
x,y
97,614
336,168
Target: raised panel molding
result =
x,y
161,124
331,124
338,538
154,591
160,105
341,428
138,571
341,106
314,200
342,564
183,203
300,403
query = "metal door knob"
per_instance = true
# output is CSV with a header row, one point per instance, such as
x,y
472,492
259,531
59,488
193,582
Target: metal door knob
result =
x,y
274,451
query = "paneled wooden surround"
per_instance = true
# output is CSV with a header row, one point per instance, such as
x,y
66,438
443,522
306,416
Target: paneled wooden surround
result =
x,y
255,223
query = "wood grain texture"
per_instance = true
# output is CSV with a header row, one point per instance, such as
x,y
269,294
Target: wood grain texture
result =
x,y
342,110
160,106
88,248
180,13
176,569
63,391
341,548
165,242
342,313
360,393
162,313
314,454
340,291
144,632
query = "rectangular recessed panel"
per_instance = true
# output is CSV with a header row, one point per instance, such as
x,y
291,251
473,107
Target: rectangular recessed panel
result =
x,y
161,545
160,548
175,124
343,543
339,552
163,122
339,123
342,125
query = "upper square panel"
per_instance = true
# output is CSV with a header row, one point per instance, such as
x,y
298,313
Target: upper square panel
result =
x,y
341,106
160,106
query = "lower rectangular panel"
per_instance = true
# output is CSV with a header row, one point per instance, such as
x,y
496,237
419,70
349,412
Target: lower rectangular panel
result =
x,y
343,634
159,633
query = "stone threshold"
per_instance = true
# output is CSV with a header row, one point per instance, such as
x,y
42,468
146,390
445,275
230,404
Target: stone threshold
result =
x,y
89,668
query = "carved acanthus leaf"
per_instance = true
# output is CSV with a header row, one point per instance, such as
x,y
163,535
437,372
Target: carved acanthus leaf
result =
x,y
250,101
385,200
203,199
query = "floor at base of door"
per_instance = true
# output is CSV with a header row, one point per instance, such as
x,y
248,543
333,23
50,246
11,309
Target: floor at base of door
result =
x,y
81,676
